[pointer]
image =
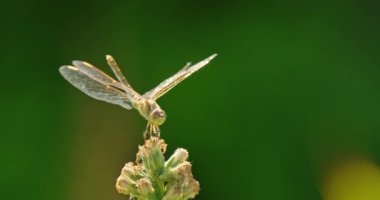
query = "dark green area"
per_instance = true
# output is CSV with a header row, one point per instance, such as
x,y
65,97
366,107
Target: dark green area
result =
x,y
295,86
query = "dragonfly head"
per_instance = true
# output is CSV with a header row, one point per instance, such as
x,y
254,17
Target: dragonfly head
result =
x,y
157,116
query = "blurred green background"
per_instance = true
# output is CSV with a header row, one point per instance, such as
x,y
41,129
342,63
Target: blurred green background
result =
x,y
289,109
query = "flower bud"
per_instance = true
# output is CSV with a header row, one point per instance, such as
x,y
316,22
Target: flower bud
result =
x,y
184,185
128,170
180,155
144,186
125,185
151,154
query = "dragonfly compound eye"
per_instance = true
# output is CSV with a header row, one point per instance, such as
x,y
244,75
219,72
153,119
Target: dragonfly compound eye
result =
x,y
158,116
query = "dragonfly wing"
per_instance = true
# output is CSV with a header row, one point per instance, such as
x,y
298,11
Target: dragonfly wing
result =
x,y
174,80
94,88
116,70
94,73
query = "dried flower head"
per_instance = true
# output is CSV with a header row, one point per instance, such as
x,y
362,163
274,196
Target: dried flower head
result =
x,y
153,178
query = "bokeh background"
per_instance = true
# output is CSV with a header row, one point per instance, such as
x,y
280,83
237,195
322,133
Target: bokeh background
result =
x,y
290,108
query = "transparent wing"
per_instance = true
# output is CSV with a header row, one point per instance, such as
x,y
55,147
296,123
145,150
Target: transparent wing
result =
x,y
116,70
94,88
94,73
174,80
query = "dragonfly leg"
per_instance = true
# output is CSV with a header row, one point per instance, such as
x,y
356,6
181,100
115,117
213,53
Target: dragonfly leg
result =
x,y
156,131
151,131
147,132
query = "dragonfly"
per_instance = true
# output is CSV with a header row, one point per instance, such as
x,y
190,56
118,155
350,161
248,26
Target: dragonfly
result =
x,y
97,84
